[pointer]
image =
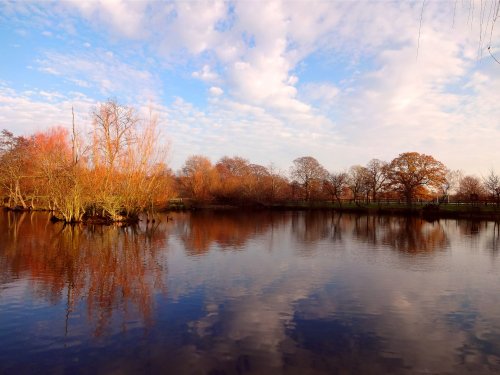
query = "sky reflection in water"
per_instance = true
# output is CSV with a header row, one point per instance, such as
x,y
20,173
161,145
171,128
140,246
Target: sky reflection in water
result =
x,y
260,292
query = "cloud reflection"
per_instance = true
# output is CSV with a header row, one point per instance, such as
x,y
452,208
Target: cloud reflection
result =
x,y
281,292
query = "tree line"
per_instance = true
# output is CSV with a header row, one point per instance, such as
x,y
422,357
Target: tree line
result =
x,y
117,171
409,177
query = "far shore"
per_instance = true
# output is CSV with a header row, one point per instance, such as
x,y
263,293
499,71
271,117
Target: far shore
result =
x,y
425,210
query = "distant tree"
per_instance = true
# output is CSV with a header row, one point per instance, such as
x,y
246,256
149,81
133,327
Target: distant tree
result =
x,y
450,183
198,177
7,141
492,185
470,188
277,186
412,170
256,182
335,184
358,182
309,173
233,174
376,177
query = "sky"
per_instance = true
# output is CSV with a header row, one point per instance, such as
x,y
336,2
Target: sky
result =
x,y
270,81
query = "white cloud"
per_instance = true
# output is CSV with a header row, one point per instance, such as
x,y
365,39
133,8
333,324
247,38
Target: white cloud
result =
x,y
256,73
216,91
101,70
125,17
38,110
80,82
50,96
419,104
205,74
323,93
192,23
374,96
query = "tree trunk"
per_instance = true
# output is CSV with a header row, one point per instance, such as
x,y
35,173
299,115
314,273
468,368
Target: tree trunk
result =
x,y
408,195
19,196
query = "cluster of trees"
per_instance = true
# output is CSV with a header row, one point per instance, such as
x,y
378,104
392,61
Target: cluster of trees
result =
x,y
231,180
113,174
117,172
409,177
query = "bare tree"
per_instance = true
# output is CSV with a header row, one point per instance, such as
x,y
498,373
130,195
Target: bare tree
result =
x,y
308,172
114,126
276,183
358,181
492,186
377,177
450,183
470,188
335,184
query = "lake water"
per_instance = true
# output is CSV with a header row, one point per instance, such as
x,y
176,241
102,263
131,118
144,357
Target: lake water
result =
x,y
250,293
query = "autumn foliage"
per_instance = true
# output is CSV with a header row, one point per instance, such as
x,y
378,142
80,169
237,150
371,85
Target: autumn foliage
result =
x,y
408,177
116,172
113,174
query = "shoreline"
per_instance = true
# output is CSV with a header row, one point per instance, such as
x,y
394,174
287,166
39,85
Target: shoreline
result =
x,y
428,211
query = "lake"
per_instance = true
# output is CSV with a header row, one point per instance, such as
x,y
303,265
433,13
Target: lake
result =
x,y
309,292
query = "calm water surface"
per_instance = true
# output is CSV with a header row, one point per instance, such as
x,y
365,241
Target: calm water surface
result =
x,y
250,293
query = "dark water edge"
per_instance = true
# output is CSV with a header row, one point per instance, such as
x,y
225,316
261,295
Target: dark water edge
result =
x,y
426,211
429,211
261,292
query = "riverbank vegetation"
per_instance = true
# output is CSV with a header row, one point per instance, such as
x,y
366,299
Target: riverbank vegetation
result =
x,y
117,171
111,174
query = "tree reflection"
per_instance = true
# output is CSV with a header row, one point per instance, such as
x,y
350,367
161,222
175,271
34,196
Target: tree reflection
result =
x,y
312,226
414,235
470,227
337,227
367,228
228,230
113,270
493,243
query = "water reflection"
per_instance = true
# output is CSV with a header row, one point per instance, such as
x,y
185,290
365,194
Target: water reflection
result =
x,y
259,292
366,228
232,231
226,229
112,270
414,235
312,226
494,239
471,227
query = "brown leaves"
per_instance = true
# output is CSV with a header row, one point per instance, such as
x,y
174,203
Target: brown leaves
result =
x,y
412,170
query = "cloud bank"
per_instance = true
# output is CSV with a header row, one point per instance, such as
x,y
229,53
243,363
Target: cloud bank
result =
x,y
344,81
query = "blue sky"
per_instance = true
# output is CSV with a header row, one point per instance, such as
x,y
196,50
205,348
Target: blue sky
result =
x,y
266,80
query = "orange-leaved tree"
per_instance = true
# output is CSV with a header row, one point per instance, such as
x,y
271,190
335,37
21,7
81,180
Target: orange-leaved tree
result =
x,y
412,170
